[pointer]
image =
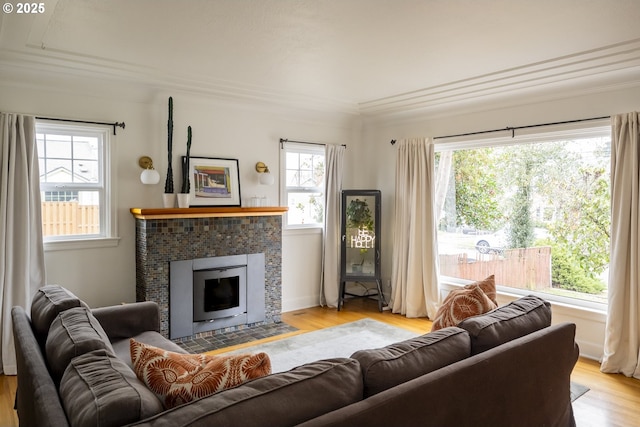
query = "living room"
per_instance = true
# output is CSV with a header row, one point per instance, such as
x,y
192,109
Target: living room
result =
x,y
488,65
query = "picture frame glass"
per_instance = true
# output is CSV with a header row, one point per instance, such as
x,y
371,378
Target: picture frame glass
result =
x,y
214,182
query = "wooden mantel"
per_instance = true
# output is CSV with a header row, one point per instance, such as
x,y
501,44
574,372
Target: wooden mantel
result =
x,y
174,213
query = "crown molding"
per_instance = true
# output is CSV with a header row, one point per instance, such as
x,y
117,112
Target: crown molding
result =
x,y
48,62
522,98
571,75
603,66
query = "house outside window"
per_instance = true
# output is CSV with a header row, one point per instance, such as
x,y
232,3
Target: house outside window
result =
x,y
532,210
60,196
303,169
75,182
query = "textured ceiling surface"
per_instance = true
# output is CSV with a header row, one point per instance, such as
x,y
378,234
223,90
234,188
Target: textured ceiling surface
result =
x,y
367,55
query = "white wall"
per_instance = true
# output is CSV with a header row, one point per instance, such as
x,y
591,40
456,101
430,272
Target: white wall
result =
x,y
379,132
250,133
221,128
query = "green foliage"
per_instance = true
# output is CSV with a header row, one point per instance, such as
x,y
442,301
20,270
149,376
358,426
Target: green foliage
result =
x,y
477,192
359,215
520,231
318,208
561,181
566,272
584,222
527,171
315,203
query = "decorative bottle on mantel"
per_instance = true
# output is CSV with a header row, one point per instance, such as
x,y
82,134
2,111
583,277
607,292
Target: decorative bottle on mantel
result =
x,y
169,198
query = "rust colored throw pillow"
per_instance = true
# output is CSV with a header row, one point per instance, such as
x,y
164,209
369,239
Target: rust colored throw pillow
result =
x,y
488,286
180,378
460,304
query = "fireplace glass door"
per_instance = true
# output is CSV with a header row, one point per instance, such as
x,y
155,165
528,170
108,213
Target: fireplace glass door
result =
x,y
219,293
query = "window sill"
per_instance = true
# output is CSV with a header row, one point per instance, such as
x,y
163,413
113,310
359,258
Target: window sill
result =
x,y
68,245
299,231
575,307
590,319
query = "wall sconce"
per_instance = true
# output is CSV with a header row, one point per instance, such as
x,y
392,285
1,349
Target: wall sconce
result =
x,y
265,176
149,175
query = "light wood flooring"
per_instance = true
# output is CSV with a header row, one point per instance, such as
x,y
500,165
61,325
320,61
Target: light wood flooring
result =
x,y
613,400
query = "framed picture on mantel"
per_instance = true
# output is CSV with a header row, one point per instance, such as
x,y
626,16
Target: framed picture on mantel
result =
x,y
214,181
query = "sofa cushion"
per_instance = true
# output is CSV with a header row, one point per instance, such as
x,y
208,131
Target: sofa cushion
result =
x,y
46,304
178,378
73,332
277,400
122,347
488,286
460,304
514,320
98,389
397,363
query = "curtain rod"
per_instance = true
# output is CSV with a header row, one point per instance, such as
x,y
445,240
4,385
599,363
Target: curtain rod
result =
x,y
114,125
283,140
514,128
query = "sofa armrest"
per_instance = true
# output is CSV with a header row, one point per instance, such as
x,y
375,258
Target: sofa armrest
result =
x,y
37,399
128,320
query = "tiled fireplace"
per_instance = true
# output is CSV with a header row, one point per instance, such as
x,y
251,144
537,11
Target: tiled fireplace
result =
x,y
167,235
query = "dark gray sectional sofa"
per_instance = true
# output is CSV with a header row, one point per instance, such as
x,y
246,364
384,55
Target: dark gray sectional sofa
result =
x,y
506,368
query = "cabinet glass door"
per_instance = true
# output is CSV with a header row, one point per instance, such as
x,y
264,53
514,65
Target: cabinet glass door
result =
x,y
360,235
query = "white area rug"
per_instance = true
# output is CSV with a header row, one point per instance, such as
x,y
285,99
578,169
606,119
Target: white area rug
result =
x,y
340,341
577,390
337,341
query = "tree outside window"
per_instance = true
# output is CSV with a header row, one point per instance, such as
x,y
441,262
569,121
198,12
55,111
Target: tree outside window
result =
x,y
540,207
304,184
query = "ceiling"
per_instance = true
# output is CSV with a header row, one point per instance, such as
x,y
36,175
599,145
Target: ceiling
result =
x,y
363,57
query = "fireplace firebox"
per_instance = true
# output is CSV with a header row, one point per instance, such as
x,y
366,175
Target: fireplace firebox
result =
x,y
207,294
219,293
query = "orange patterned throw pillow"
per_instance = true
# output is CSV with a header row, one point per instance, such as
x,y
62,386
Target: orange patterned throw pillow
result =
x,y
462,303
180,378
488,286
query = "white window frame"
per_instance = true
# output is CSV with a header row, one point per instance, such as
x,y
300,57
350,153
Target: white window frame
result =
x,y
293,147
106,188
580,130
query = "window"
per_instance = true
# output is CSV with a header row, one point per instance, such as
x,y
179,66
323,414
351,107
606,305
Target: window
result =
x,y
534,211
74,164
303,186
60,196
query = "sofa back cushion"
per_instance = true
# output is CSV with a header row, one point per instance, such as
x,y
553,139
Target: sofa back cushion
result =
x,y
47,303
511,321
98,389
524,382
73,332
397,363
282,399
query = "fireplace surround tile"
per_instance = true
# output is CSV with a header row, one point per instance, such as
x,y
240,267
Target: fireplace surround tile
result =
x,y
162,240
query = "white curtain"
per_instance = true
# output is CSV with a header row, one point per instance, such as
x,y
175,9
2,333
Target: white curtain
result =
x,y
622,338
330,279
21,252
414,269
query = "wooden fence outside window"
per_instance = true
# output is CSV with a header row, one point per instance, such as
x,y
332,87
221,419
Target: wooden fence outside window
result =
x,y
528,268
69,218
